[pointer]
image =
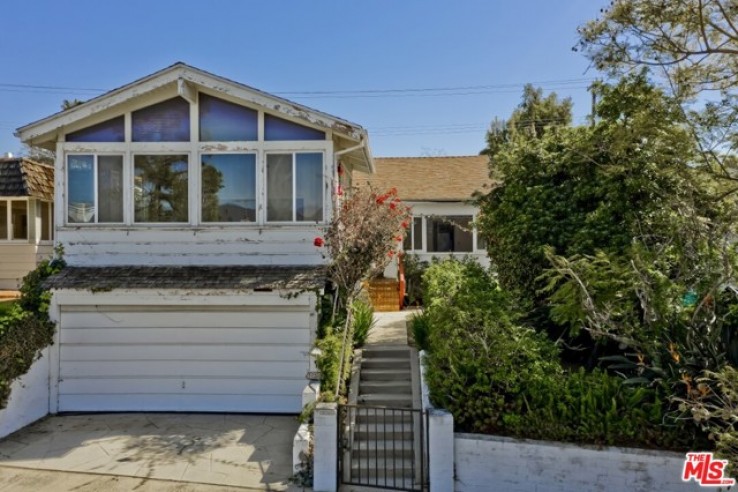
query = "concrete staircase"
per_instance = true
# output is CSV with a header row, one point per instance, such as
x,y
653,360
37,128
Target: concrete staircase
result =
x,y
384,436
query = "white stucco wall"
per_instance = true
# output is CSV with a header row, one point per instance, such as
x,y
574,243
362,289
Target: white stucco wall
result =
x,y
29,398
491,463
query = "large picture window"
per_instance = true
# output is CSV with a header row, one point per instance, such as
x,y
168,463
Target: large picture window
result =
x,y
95,188
228,187
295,187
160,188
449,234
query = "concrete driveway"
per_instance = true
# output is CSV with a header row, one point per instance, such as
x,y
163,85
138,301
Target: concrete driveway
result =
x,y
252,451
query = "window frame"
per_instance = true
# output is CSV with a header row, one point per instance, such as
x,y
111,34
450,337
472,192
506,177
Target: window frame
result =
x,y
424,233
132,183
9,239
95,156
294,220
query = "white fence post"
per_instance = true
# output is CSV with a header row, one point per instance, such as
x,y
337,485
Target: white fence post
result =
x,y
440,450
325,457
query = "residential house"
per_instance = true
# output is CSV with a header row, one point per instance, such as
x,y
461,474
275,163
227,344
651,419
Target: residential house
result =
x,y
187,205
440,192
26,217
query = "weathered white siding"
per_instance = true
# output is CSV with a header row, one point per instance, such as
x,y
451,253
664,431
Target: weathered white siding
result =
x,y
17,259
273,245
29,397
187,352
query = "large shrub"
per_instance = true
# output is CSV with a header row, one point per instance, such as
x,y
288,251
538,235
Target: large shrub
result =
x,y
499,376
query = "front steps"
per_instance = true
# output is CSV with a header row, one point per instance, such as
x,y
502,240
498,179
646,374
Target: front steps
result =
x,y
384,436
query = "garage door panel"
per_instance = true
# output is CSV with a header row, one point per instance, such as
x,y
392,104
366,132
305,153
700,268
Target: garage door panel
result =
x,y
196,359
144,336
179,386
77,369
186,319
192,352
179,403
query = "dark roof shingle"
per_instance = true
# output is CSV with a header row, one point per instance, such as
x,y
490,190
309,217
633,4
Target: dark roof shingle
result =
x,y
22,177
189,277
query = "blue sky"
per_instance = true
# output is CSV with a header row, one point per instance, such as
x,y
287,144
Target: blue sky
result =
x,y
479,51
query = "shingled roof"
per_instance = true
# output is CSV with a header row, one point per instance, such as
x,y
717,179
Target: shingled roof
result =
x,y
189,277
432,179
23,177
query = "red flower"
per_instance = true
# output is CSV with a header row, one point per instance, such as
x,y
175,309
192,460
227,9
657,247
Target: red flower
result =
x,y
340,170
391,254
398,239
392,205
339,191
318,242
382,199
393,191
405,224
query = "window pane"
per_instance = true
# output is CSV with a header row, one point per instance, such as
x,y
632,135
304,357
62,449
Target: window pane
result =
x,y
309,183
445,234
229,188
81,188
279,129
45,221
222,121
407,240
279,187
160,188
110,188
3,220
418,233
107,131
168,121
19,219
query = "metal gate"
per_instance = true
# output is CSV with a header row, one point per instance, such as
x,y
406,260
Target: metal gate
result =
x,y
383,447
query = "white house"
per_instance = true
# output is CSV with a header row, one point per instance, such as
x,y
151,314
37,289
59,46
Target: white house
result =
x,y
26,217
187,205
440,192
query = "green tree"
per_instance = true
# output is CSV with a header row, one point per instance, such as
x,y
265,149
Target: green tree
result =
x,y
531,119
691,46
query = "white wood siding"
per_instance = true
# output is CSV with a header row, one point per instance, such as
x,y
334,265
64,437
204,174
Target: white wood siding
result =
x,y
176,358
275,245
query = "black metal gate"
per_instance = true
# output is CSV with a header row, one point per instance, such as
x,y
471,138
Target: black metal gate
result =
x,y
383,447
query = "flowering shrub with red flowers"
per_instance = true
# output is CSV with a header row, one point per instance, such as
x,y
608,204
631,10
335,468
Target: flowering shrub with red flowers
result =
x,y
362,237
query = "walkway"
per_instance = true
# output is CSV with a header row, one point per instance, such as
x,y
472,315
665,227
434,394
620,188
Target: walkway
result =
x,y
389,329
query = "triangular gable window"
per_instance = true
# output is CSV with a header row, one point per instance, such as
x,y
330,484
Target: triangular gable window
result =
x,y
107,131
279,129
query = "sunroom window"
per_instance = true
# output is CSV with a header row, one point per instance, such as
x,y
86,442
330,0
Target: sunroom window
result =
x,y
167,121
95,188
295,187
223,121
228,187
160,188
107,131
449,234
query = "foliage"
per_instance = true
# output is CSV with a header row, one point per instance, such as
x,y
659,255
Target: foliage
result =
x,y
692,47
363,320
587,189
362,238
498,376
420,329
6,307
414,269
328,361
714,406
534,117
26,329
303,476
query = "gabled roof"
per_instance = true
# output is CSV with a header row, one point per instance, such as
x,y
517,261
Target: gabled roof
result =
x,y
43,133
430,179
21,177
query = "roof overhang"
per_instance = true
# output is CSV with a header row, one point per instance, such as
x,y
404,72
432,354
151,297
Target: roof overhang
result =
x,y
186,79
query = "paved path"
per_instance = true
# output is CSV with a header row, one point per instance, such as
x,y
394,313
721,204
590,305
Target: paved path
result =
x,y
389,329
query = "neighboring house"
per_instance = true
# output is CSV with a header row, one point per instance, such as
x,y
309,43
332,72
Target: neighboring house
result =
x,y
439,190
26,218
187,205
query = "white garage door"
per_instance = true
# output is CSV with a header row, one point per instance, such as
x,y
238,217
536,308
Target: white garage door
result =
x,y
175,359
